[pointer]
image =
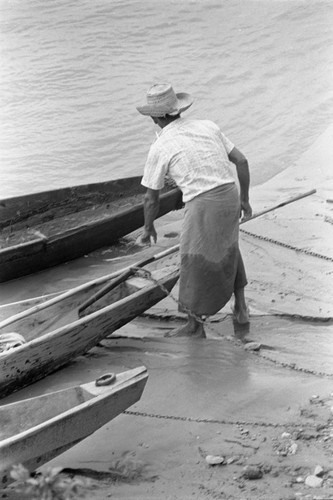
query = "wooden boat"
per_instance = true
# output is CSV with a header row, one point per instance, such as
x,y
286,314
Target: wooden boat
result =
x,y
54,331
35,430
45,229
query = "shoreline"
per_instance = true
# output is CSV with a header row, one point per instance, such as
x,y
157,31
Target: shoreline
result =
x,y
268,408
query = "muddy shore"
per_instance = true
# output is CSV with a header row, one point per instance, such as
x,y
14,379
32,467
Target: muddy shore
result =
x,y
258,398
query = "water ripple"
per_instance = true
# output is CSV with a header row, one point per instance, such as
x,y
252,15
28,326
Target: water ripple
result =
x,y
72,74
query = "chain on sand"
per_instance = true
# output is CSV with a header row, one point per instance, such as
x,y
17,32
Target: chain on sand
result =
x,y
219,421
286,245
208,323
147,274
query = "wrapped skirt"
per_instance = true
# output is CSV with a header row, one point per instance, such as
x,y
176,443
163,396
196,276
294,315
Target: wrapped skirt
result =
x,y
211,263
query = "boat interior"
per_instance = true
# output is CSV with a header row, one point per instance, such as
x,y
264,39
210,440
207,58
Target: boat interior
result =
x,y
23,415
65,311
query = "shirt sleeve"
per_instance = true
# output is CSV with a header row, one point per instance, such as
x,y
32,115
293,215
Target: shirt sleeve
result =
x,y
229,146
155,170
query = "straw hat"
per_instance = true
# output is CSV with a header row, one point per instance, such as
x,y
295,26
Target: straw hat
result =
x,y
162,100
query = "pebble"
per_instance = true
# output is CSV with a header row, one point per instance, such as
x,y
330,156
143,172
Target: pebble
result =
x,y
214,459
313,481
292,449
252,346
252,472
319,471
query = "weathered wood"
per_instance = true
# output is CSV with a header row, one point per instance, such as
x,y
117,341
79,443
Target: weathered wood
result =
x,y
35,430
100,215
124,275
55,335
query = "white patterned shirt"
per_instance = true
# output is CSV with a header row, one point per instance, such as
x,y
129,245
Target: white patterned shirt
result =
x,y
194,153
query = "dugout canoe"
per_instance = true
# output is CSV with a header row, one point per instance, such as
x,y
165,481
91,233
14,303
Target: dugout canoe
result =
x,y
35,430
45,229
52,333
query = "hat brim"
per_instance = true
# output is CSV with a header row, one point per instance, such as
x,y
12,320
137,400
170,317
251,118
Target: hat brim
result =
x,y
184,101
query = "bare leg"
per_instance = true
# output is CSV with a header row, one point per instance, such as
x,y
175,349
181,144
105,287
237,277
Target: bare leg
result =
x,y
193,328
241,311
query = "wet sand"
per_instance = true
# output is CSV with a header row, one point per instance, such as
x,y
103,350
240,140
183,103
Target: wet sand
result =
x,y
270,408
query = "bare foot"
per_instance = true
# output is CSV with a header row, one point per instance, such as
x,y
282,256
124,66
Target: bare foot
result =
x,y
241,316
188,330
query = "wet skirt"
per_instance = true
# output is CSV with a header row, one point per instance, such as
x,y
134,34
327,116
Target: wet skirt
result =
x,y
211,263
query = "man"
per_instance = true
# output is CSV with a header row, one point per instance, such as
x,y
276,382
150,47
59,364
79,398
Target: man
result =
x,y
197,156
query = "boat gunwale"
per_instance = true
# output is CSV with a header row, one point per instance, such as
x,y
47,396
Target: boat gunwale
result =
x,y
48,240
137,378
58,195
63,330
64,295
78,187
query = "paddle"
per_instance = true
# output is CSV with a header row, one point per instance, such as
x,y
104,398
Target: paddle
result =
x,y
130,271
123,277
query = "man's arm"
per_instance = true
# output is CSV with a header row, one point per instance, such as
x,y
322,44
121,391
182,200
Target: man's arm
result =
x,y
243,174
151,206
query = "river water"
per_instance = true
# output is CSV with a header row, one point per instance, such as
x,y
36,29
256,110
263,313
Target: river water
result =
x,y
73,72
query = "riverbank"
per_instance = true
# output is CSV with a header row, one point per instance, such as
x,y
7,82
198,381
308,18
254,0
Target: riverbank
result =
x,y
259,396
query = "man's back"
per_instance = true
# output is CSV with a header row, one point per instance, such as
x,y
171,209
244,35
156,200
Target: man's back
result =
x,y
195,154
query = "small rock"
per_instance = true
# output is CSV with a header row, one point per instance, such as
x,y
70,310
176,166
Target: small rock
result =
x,y
292,449
231,460
319,471
285,435
299,479
313,481
252,346
252,472
214,460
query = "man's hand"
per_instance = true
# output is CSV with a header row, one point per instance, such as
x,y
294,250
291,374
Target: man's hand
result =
x,y
150,208
246,210
145,238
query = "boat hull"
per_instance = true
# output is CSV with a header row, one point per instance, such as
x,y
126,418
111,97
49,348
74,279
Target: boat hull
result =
x,y
49,351
48,425
70,241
